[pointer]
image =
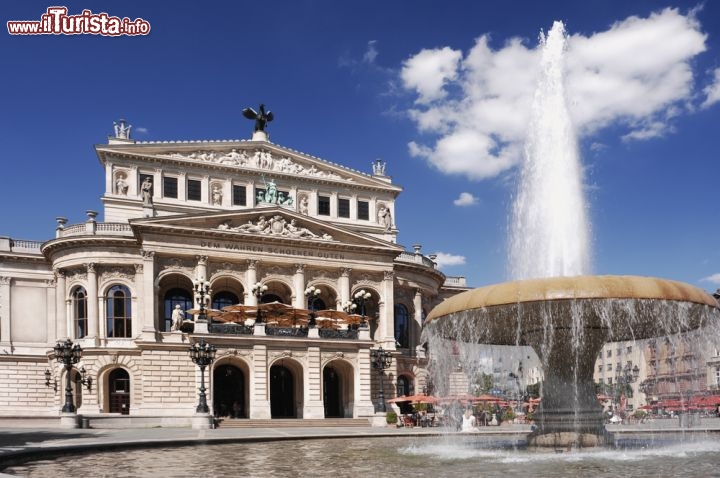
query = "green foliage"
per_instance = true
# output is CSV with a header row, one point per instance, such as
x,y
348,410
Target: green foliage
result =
x,y
391,418
534,390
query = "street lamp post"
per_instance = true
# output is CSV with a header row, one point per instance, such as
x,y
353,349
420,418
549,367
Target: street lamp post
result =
x,y
202,297
381,360
313,294
361,297
202,355
623,379
68,354
258,290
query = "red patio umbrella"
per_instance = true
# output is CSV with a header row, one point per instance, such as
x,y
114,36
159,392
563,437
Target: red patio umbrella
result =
x,y
417,398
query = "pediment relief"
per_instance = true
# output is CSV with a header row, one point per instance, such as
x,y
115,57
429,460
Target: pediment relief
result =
x,y
275,225
259,159
260,224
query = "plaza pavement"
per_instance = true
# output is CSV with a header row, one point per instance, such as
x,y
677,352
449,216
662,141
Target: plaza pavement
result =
x,y
20,444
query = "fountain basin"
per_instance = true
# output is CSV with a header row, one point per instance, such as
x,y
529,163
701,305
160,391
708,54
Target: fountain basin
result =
x,y
566,320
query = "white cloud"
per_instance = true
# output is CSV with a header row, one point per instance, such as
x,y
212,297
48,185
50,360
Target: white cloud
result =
x,y
429,71
141,130
712,91
465,199
443,260
713,279
477,104
371,53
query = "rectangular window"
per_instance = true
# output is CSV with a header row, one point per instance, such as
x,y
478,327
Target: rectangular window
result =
x,y
609,353
608,367
629,349
194,190
609,381
343,207
363,210
239,195
170,189
323,205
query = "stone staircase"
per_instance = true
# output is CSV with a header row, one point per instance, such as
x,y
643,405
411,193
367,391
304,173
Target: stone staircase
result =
x,y
293,422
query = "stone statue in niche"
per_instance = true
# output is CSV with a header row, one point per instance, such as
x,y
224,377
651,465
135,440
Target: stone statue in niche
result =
x,y
146,191
217,195
304,204
385,217
178,315
121,185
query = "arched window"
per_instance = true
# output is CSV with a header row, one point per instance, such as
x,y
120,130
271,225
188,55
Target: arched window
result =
x,y
403,386
80,316
401,326
318,304
223,299
119,312
175,297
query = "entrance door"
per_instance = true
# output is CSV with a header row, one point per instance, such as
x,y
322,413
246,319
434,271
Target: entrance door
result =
x,y
229,392
119,384
332,396
282,392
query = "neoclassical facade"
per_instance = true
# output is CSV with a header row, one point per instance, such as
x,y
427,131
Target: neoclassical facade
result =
x,y
234,213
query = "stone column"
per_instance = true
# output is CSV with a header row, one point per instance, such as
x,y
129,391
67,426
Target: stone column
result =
x,y
414,331
138,299
386,327
344,285
299,286
147,313
259,386
93,303
5,332
61,317
251,279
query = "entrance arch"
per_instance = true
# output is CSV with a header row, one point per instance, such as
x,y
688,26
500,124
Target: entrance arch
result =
x,y
285,398
229,387
119,391
338,389
332,398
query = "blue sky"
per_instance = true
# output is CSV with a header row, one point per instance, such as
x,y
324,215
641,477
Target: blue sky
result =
x,y
438,89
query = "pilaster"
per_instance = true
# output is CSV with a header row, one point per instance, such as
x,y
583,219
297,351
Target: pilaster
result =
x,y
5,332
61,323
259,399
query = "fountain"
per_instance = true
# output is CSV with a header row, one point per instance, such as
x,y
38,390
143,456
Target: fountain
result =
x,y
553,305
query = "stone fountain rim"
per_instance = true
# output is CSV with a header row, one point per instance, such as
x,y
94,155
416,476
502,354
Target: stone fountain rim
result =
x,y
575,287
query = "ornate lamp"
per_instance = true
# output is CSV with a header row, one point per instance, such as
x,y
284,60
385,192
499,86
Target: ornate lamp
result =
x,y
258,290
202,296
202,354
381,360
312,293
68,354
361,297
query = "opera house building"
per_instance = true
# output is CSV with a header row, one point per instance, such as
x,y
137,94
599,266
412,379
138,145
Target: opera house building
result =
x,y
286,264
